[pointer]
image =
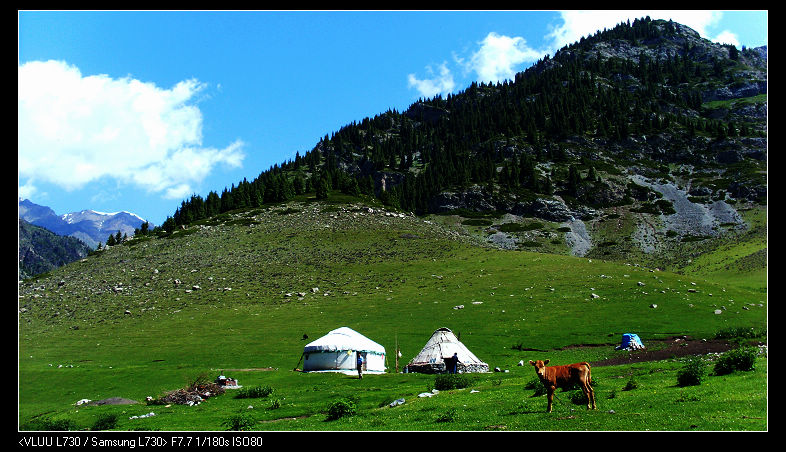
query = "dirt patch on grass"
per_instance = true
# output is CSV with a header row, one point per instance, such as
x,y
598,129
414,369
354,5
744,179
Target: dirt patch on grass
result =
x,y
285,419
668,349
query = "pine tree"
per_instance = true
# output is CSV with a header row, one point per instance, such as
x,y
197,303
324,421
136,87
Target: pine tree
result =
x,y
322,189
574,180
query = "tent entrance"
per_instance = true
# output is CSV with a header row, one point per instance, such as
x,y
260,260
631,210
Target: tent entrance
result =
x,y
363,355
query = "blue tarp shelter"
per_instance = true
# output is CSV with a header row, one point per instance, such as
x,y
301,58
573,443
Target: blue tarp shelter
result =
x,y
630,341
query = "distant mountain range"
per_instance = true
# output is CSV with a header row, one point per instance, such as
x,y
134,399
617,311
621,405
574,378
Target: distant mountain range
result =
x,y
89,226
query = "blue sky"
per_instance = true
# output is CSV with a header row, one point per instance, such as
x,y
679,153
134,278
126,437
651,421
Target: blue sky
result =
x,y
136,111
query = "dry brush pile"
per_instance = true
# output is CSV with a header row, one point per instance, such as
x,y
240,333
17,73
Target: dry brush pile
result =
x,y
195,393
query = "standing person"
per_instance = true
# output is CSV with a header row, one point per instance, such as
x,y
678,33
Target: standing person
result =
x,y
454,363
360,364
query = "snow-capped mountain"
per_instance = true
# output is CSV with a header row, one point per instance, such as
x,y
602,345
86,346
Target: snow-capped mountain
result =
x,y
88,225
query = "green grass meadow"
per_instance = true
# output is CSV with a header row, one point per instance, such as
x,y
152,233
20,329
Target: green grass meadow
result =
x,y
393,280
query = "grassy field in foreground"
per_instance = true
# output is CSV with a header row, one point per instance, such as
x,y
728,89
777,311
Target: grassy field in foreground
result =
x,y
391,279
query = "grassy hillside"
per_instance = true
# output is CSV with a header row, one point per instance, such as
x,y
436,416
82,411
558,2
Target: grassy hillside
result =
x,y
740,259
236,293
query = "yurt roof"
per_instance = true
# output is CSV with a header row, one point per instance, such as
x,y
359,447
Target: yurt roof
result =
x,y
444,343
343,338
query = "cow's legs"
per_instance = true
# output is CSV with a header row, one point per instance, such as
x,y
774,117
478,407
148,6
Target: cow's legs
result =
x,y
586,392
592,395
589,393
550,397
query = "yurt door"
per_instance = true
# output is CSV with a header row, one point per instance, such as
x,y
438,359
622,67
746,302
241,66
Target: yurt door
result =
x,y
365,360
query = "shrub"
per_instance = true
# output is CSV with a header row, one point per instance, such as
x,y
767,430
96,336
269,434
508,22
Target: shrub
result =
x,y
518,227
341,408
530,243
692,373
450,381
477,222
240,421
50,424
631,384
740,333
448,416
254,393
536,386
578,397
665,206
743,358
105,421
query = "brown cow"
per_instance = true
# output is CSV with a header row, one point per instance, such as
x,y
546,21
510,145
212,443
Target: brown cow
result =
x,y
554,377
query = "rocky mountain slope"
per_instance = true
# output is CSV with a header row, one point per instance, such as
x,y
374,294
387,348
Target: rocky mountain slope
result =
x,y
646,126
41,250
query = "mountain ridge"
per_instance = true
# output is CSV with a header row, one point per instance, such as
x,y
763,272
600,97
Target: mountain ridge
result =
x,y
47,240
89,226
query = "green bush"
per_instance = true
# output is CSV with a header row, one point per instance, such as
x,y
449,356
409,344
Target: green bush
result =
x,y
50,424
254,393
450,381
692,373
577,397
743,358
631,384
530,243
740,332
518,227
448,416
665,206
240,421
536,386
105,421
341,408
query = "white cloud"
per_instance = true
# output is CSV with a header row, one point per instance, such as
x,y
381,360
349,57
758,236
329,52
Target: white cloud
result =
x,y
441,83
75,129
499,55
497,58
727,37
27,191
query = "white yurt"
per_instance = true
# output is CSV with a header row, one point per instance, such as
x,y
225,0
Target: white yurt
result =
x,y
443,344
337,352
